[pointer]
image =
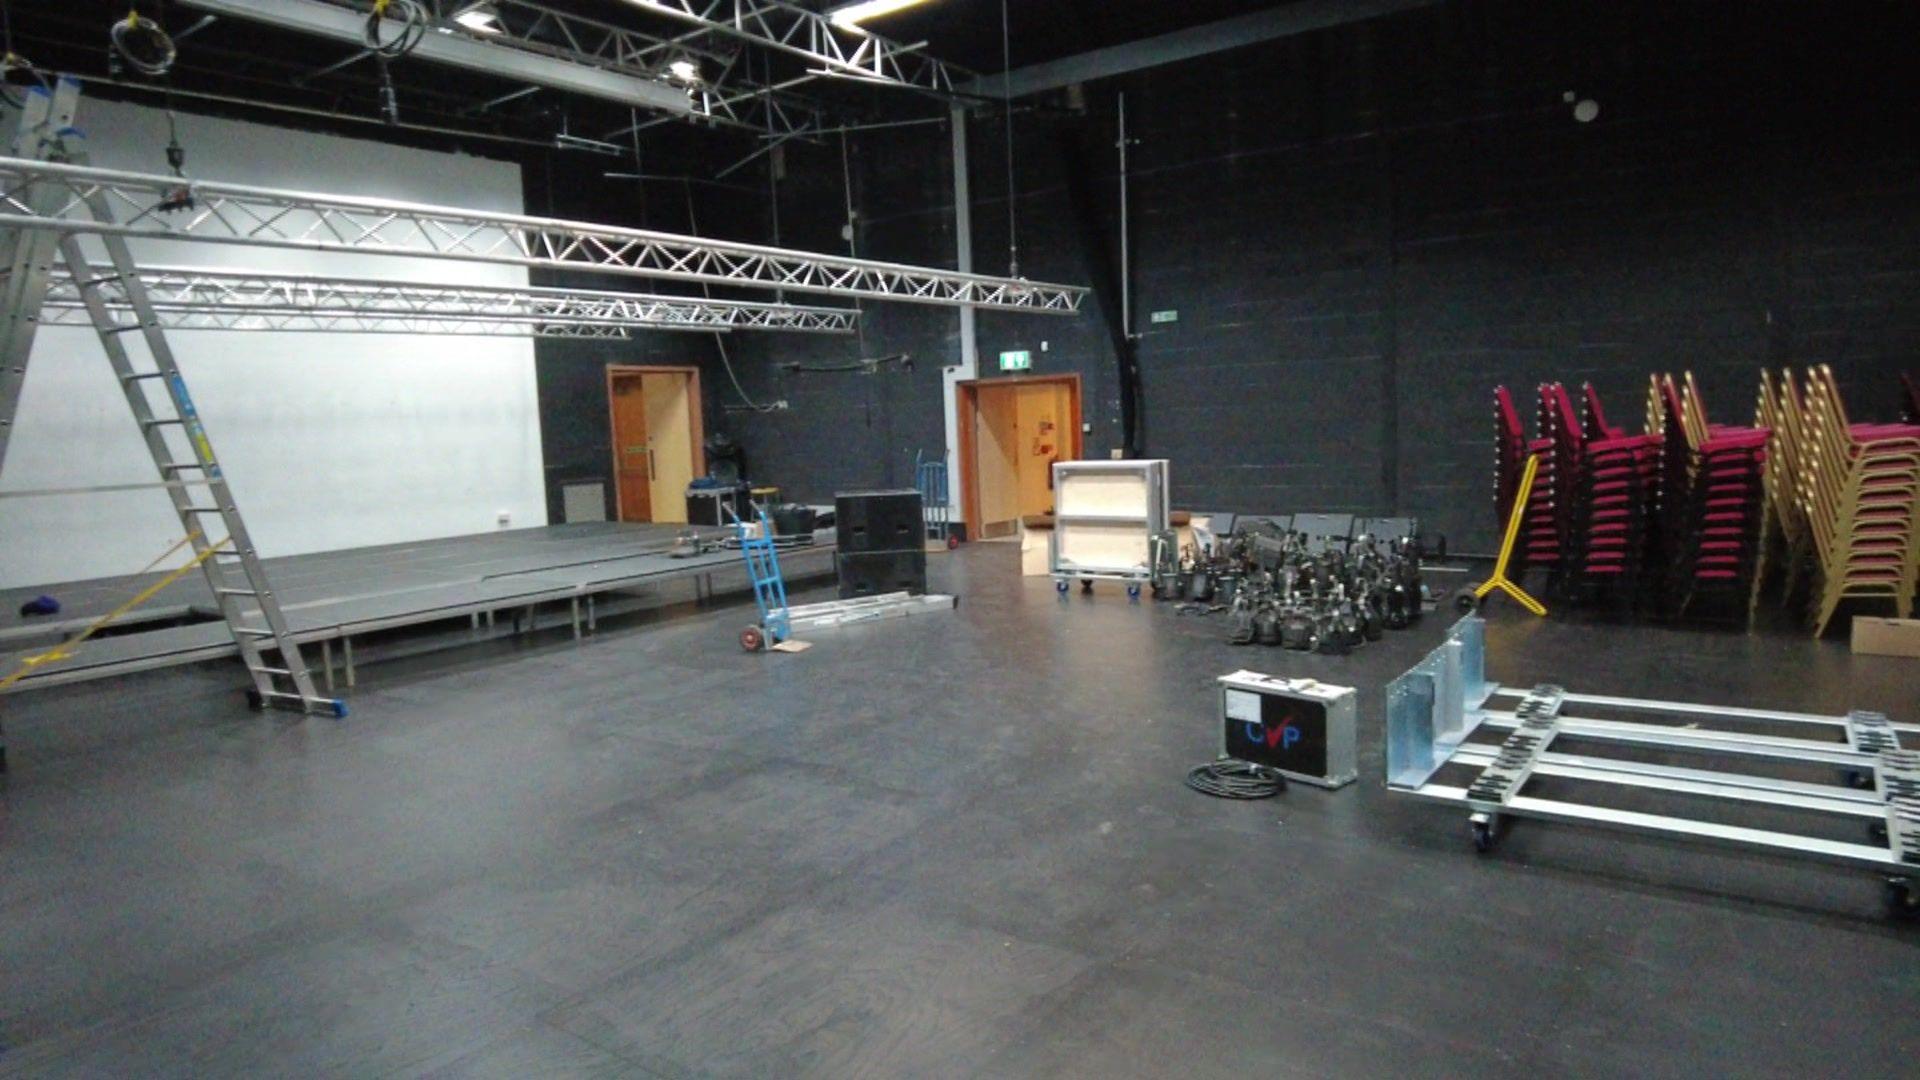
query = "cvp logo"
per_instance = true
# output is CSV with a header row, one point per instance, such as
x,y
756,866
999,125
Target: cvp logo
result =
x,y
1283,736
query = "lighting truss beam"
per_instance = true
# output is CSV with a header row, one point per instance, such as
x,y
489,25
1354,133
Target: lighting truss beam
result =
x,y
814,37
266,217
192,298
465,49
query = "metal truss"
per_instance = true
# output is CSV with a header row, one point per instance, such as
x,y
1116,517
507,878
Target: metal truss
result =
x,y
816,38
162,208
189,298
526,39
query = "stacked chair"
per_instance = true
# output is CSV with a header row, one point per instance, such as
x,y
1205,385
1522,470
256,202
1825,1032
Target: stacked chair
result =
x,y
1604,515
1713,499
1785,538
1859,489
1539,542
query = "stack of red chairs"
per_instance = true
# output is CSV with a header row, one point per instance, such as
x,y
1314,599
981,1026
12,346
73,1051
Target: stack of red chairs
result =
x,y
1607,498
1539,540
1712,499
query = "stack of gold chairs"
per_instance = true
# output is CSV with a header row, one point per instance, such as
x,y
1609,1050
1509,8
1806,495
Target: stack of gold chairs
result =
x,y
1712,501
1854,514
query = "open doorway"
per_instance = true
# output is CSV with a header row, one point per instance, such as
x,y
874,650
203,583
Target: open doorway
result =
x,y
657,440
1011,433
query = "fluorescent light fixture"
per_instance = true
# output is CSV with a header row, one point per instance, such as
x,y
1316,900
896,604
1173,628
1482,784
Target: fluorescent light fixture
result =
x,y
480,18
852,14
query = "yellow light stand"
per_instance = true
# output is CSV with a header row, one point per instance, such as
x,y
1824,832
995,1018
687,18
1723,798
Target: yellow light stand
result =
x,y
1515,518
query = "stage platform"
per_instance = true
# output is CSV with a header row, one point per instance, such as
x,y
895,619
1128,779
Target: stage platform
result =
x,y
333,597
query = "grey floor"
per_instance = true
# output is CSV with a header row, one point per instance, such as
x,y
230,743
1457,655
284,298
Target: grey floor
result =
x,y
944,846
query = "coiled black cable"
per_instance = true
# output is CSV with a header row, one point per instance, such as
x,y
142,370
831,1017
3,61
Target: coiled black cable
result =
x,y
413,20
142,45
1229,779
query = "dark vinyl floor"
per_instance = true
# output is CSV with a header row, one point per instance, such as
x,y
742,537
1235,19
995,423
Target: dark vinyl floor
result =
x,y
942,846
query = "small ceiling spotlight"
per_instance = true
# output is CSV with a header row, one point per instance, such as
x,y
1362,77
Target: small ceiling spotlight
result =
x,y
1584,109
852,15
480,18
684,69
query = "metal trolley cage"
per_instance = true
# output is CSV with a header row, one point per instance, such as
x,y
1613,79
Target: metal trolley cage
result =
x,y
1437,704
51,199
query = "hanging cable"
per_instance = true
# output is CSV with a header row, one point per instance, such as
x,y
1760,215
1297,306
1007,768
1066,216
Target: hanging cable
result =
x,y
1006,103
719,339
853,247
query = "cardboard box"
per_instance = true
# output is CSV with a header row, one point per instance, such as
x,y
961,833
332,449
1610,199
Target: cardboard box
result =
x,y
1035,533
1886,637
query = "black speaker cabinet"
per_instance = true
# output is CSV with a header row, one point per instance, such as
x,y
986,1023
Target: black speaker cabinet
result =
x,y
879,520
870,573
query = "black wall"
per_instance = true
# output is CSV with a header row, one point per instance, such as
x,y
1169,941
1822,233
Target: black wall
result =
x,y
1365,229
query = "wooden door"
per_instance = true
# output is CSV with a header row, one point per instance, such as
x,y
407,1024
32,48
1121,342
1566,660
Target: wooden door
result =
x,y
997,459
633,458
1041,410
669,406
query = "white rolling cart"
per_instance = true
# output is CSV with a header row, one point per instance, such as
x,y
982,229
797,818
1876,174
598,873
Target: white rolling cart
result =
x,y
1106,514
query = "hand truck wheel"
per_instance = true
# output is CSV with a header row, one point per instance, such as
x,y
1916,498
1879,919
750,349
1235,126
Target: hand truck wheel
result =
x,y
1465,602
753,639
1060,585
1133,590
1482,836
1902,901
1086,585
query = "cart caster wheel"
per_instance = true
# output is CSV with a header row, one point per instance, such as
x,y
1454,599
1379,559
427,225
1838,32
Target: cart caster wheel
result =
x,y
1465,602
1483,836
1086,586
1859,779
1133,592
1877,831
952,542
752,640
1903,902
339,709
255,701
1060,586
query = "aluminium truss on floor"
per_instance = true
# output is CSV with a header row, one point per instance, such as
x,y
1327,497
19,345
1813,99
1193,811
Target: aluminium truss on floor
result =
x,y
1436,705
52,195
192,298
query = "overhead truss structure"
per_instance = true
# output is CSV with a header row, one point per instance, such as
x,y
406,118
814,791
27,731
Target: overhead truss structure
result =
x,y
47,195
635,66
188,298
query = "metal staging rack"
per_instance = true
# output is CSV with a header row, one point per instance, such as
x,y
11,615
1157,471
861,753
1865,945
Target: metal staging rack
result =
x,y
1436,705
52,200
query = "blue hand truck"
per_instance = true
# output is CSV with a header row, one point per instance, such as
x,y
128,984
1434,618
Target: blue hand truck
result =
x,y
769,587
930,476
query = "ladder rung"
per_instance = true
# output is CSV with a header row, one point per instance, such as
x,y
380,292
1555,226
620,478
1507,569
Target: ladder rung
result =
x,y
90,282
270,671
183,465
201,510
120,329
161,423
139,375
235,592
249,631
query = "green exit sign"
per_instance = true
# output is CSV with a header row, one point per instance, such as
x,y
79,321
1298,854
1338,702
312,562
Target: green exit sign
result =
x,y
1164,317
1017,360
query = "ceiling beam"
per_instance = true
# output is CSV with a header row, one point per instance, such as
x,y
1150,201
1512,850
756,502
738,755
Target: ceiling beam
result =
x,y
464,51
1195,41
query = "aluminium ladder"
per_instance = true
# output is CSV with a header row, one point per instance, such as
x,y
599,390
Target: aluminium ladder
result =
x,y
194,479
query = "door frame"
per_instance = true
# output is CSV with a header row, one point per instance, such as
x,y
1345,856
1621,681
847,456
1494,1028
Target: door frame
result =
x,y
697,422
966,408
